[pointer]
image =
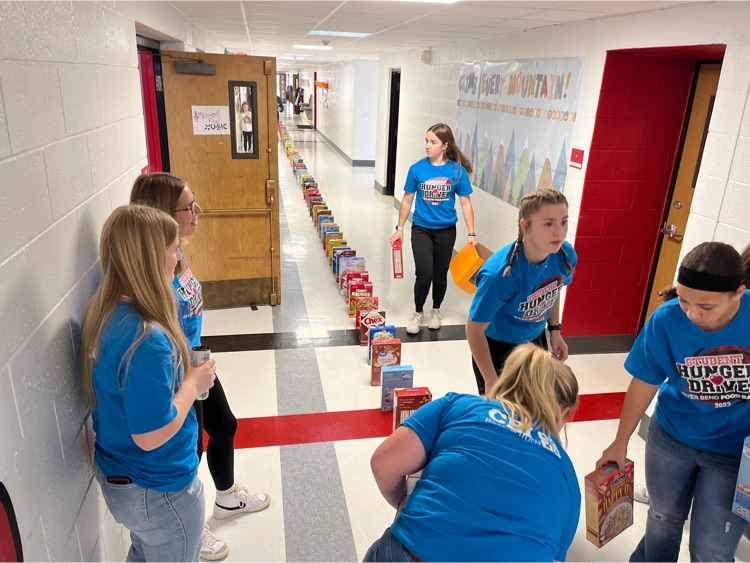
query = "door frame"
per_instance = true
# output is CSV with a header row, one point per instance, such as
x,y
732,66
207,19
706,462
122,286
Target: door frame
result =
x,y
392,134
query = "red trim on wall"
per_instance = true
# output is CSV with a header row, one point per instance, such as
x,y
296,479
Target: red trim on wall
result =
x,y
353,425
151,118
637,131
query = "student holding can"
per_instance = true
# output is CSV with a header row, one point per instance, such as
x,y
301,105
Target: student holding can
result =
x,y
172,194
136,375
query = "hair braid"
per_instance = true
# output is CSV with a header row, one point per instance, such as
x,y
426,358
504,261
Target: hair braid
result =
x,y
516,250
564,255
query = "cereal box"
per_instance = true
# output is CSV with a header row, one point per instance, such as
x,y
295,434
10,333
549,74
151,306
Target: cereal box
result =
x,y
354,266
363,304
330,236
406,401
609,502
379,333
336,257
367,320
741,504
353,277
335,243
392,378
362,289
384,353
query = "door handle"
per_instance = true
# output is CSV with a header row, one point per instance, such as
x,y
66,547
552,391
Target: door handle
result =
x,y
669,230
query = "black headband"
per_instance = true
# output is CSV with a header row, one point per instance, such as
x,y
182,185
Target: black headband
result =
x,y
708,282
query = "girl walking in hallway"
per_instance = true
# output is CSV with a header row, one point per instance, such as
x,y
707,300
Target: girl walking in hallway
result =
x,y
435,181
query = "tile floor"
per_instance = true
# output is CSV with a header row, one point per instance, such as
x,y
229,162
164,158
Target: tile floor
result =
x,y
326,506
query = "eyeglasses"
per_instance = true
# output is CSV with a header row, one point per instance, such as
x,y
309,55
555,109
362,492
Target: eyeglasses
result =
x,y
190,207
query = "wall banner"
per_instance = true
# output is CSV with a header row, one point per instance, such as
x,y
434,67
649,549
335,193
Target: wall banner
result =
x,y
210,120
515,122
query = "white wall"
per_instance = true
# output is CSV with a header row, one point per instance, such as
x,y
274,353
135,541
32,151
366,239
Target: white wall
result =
x,y
721,209
349,120
71,143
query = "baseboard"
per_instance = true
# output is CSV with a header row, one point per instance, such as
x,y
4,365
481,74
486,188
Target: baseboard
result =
x,y
607,344
346,157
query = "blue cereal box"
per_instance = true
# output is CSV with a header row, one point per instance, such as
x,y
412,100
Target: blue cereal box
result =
x,y
392,378
379,333
741,505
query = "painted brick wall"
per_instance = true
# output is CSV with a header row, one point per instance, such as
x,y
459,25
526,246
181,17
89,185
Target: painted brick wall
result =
x,y
636,136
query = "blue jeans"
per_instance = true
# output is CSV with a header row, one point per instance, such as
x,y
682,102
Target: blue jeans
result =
x,y
677,474
163,526
387,548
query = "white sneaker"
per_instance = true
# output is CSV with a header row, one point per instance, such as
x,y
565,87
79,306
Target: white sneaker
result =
x,y
412,327
239,501
640,493
436,320
212,548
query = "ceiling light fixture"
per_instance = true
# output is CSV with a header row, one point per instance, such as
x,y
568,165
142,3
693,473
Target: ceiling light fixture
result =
x,y
313,47
338,33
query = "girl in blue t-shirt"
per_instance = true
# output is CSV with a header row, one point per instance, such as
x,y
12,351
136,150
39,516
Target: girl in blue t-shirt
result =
x,y
695,352
172,194
460,511
518,288
134,374
435,181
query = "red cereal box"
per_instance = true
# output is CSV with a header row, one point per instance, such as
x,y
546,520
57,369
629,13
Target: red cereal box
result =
x,y
362,289
406,401
609,502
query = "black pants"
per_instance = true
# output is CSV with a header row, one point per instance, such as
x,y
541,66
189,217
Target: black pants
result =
x,y
433,250
247,140
500,352
216,417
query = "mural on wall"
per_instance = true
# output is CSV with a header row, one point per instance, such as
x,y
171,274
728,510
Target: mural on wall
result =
x,y
515,122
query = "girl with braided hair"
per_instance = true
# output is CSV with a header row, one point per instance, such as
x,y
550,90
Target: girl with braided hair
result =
x,y
518,288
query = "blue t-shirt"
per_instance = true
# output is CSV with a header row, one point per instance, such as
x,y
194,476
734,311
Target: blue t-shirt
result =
x,y
189,304
138,402
518,305
436,188
488,492
704,377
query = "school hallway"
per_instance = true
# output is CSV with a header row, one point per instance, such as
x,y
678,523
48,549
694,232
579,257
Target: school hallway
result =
x,y
309,418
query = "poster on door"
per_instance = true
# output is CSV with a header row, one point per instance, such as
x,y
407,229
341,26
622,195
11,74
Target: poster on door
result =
x,y
210,120
515,122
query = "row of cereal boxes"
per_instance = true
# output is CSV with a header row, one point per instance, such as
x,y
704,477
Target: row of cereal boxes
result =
x,y
353,283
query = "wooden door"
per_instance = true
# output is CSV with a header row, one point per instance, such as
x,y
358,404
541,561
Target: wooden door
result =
x,y
678,206
235,252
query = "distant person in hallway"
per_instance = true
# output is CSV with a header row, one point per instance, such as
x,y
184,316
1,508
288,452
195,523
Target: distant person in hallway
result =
x,y
279,107
436,180
518,288
137,376
496,483
695,352
172,194
246,124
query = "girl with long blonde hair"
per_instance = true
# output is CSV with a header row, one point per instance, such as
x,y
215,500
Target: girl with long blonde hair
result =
x,y
136,374
489,467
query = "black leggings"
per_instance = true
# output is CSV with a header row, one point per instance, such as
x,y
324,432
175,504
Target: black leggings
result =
x,y
247,140
433,250
216,417
500,352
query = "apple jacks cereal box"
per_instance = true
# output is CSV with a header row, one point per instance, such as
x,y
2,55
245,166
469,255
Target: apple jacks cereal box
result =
x,y
609,502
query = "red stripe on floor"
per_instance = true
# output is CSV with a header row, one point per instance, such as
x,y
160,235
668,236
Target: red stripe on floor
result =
x,y
353,425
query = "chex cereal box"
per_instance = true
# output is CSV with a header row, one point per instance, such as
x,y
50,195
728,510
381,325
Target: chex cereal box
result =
x,y
392,378
367,320
354,264
741,504
363,304
385,332
406,401
609,502
384,353
363,289
351,277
